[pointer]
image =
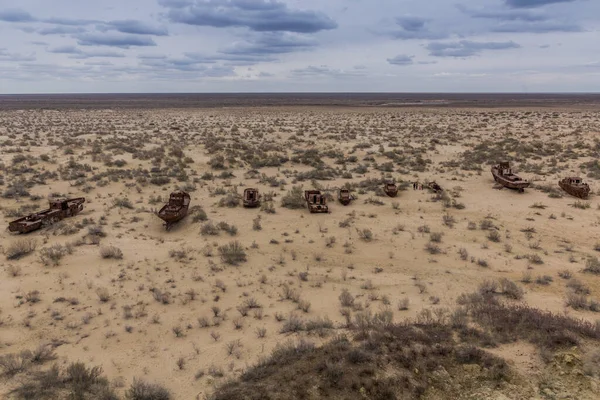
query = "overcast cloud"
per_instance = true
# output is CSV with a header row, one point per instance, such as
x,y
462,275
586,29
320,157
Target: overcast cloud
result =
x,y
66,46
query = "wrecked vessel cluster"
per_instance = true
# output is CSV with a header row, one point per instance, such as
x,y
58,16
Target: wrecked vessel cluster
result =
x,y
316,202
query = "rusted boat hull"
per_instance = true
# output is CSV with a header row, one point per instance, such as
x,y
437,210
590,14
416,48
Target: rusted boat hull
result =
x,y
515,184
316,202
344,197
251,198
59,209
175,210
581,192
391,190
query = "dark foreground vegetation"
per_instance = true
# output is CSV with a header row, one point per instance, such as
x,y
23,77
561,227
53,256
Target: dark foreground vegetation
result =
x,y
441,355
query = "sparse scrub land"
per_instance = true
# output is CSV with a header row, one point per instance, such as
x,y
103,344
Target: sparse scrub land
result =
x,y
347,280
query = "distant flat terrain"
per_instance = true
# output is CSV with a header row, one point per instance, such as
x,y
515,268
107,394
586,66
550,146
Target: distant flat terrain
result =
x,y
208,100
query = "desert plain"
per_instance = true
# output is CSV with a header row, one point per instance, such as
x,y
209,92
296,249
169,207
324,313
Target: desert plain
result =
x,y
276,302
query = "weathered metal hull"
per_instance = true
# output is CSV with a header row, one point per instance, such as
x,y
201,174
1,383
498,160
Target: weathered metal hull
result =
x,y
516,184
391,191
344,197
47,217
174,213
582,191
316,209
315,201
251,198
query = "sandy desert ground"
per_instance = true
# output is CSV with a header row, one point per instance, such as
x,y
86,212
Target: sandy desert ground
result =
x,y
112,288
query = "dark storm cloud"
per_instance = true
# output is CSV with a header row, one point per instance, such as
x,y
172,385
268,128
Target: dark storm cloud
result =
x,y
76,52
15,15
466,48
189,64
114,40
537,27
533,3
136,27
401,60
520,20
272,43
60,30
257,15
70,21
504,15
414,28
411,23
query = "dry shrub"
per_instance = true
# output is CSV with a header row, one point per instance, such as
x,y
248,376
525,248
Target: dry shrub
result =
x,y
294,199
20,248
232,253
111,252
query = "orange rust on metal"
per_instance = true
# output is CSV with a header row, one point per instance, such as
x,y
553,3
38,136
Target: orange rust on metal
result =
x,y
315,201
345,197
176,209
251,197
391,189
575,186
503,174
58,210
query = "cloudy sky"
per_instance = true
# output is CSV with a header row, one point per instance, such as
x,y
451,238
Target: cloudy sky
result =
x,y
67,46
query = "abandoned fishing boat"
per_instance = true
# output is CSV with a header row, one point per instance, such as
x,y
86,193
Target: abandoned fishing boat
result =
x,y
391,189
575,186
315,201
251,197
176,209
345,197
503,175
58,209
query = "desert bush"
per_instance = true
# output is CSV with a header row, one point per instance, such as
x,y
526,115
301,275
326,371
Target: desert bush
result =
x,y
544,280
209,228
231,229
51,256
20,248
346,299
493,236
122,203
111,252
436,237
576,301
577,286
232,253
231,200
582,205
486,224
294,199
198,214
432,248
76,381
142,390
103,294
511,289
365,234
449,220
292,324
592,265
